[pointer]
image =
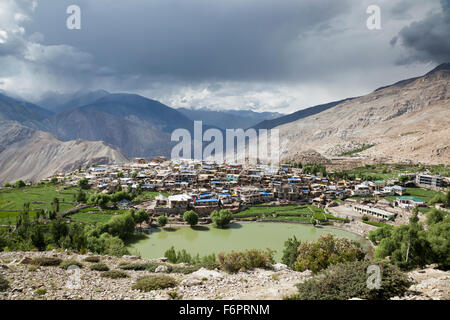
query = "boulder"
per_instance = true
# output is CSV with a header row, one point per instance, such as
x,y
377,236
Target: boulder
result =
x,y
161,269
190,282
205,273
130,257
280,267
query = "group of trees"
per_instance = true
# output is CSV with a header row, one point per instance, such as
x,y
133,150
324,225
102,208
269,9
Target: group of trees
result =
x,y
107,238
412,245
319,255
219,218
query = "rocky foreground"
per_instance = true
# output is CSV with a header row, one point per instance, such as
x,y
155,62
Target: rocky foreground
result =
x,y
29,282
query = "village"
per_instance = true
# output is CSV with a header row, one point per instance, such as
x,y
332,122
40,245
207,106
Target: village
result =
x,y
203,187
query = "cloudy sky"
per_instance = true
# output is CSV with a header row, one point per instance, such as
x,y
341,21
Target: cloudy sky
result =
x,y
266,55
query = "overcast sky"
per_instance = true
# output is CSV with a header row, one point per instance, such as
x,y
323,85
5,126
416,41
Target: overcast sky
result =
x,y
266,55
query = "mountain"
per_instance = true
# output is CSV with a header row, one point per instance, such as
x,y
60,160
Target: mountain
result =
x,y
140,127
406,121
224,118
21,111
57,102
270,124
30,154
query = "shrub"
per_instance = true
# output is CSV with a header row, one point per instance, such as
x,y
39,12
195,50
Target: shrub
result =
x,y
245,260
149,266
99,267
191,217
114,274
70,262
40,291
290,252
221,218
154,282
162,220
46,261
434,216
349,280
4,284
92,259
365,218
327,250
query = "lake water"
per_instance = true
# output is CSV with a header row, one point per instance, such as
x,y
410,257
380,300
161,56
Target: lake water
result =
x,y
208,239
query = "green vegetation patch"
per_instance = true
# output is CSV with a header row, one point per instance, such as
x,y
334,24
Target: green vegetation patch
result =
x,y
154,282
349,280
114,274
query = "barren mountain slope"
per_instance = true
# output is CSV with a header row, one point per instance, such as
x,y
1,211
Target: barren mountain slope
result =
x,y
407,121
30,154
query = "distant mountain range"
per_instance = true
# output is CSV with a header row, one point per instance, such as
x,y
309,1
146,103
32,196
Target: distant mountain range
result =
x,y
228,119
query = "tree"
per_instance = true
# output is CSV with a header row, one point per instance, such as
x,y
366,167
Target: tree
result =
x,y
83,183
141,216
20,184
326,251
121,226
7,185
434,216
221,218
438,236
55,205
134,174
162,220
54,180
81,196
58,229
191,217
403,179
290,252
120,174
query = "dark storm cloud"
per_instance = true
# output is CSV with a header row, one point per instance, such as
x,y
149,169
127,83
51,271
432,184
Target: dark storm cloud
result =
x,y
429,38
190,40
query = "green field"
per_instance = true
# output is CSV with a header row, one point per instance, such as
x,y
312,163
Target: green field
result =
x,y
390,171
287,213
421,193
92,218
14,199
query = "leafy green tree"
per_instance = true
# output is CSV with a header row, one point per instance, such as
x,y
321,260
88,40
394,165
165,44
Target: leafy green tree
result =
x,y
434,216
290,251
221,218
162,220
55,205
191,217
58,230
37,237
120,174
83,183
54,180
438,236
121,226
379,234
20,184
141,216
81,196
7,185
327,250
403,179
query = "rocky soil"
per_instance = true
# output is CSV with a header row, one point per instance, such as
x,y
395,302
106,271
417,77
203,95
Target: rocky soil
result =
x,y
28,282
202,284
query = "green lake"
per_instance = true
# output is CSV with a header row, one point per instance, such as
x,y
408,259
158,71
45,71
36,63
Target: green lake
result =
x,y
238,236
